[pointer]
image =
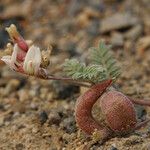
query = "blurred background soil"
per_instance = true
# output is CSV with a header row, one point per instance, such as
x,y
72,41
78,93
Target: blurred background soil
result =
x,y
39,115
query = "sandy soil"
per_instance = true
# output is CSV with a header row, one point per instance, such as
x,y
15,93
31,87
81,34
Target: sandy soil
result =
x,y
39,115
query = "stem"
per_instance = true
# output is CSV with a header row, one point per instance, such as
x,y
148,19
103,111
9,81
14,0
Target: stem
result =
x,y
140,102
142,124
68,80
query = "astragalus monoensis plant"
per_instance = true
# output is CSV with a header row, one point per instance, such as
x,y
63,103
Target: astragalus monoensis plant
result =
x,y
120,116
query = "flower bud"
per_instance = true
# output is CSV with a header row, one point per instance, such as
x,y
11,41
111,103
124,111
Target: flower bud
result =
x,y
16,37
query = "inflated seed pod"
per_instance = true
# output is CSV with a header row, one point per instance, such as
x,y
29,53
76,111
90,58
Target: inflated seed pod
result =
x,y
119,111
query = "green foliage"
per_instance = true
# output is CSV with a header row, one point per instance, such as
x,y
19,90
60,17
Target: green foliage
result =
x,y
102,67
93,73
103,56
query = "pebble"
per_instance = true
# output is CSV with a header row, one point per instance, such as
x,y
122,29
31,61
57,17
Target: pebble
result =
x,y
23,96
14,11
140,112
93,28
129,90
63,91
84,18
1,120
43,117
12,85
145,146
19,146
1,107
134,33
117,39
118,21
35,130
143,44
69,125
74,7
133,140
43,93
33,106
35,90
70,47
19,107
54,118
113,148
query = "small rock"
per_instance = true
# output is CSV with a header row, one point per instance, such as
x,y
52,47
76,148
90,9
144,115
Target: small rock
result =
x,y
19,146
143,44
54,118
63,91
117,39
74,7
98,5
93,28
69,125
19,107
133,140
113,148
129,90
33,106
140,112
1,107
1,120
134,32
43,93
84,18
35,130
118,21
11,86
14,10
23,96
146,146
43,117
71,48
35,90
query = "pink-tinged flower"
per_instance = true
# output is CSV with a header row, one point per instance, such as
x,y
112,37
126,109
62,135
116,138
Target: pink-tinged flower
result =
x,y
25,58
25,62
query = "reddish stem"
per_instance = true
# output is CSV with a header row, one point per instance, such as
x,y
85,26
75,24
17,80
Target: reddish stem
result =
x,y
140,102
67,80
83,110
144,103
142,124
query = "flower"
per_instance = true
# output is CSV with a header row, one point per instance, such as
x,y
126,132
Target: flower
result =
x,y
24,57
11,60
27,63
32,60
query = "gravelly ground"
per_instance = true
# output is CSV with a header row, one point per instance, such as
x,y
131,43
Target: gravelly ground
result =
x,y
37,114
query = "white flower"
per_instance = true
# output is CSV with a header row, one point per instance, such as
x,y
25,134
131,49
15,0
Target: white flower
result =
x,y
11,60
32,61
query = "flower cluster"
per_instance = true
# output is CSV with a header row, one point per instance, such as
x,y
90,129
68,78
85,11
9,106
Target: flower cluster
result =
x,y
25,57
